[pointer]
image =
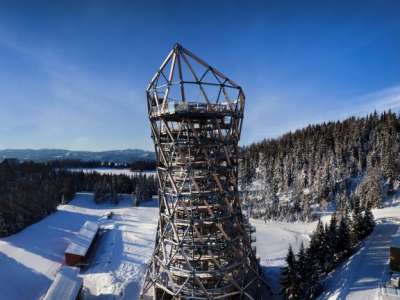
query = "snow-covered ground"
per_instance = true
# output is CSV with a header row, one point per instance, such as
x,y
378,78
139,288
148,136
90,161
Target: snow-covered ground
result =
x,y
360,276
30,259
112,171
273,240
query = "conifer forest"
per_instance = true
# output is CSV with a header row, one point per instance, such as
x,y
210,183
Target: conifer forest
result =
x,y
323,167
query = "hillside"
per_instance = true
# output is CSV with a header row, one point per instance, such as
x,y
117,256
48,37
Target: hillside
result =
x,y
323,167
41,155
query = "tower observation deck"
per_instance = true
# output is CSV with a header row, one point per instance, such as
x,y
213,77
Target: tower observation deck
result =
x,y
203,246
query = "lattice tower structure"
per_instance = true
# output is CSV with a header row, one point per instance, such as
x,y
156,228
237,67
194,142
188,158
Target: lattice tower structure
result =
x,y
203,246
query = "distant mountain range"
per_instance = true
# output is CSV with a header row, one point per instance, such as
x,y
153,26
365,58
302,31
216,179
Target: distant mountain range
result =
x,y
116,156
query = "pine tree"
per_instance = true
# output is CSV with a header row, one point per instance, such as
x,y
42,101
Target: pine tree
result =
x,y
309,279
302,271
344,244
290,279
368,221
327,253
317,248
332,242
358,229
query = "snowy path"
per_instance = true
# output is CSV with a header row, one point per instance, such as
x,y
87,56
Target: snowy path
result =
x,y
360,276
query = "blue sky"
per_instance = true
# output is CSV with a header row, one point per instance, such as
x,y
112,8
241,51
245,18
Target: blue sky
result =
x,y
73,73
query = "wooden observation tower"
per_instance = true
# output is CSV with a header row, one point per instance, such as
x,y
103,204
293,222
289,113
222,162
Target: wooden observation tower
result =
x,y
203,246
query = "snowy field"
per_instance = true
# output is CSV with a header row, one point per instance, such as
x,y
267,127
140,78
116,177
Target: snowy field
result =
x,y
112,171
30,259
273,239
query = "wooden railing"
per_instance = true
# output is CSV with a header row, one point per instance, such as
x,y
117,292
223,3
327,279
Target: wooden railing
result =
x,y
193,107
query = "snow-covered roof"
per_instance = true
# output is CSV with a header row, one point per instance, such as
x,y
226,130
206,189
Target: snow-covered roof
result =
x,y
83,240
66,285
396,239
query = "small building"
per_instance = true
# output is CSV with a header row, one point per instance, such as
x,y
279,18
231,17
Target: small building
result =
x,y
395,280
79,248
395,252
66,285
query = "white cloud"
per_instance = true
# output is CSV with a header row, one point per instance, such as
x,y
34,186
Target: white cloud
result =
x,y
382,100
272,116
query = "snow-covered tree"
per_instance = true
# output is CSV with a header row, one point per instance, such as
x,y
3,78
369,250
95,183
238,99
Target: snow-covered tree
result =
x,y
370,190
368,221
328,160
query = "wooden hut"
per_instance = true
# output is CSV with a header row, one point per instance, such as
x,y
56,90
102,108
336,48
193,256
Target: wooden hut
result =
x,y
78,248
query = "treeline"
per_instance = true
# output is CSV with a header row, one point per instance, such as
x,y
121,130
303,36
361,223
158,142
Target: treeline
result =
x,y
104,187
329,246
322,165
30,191
140,165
